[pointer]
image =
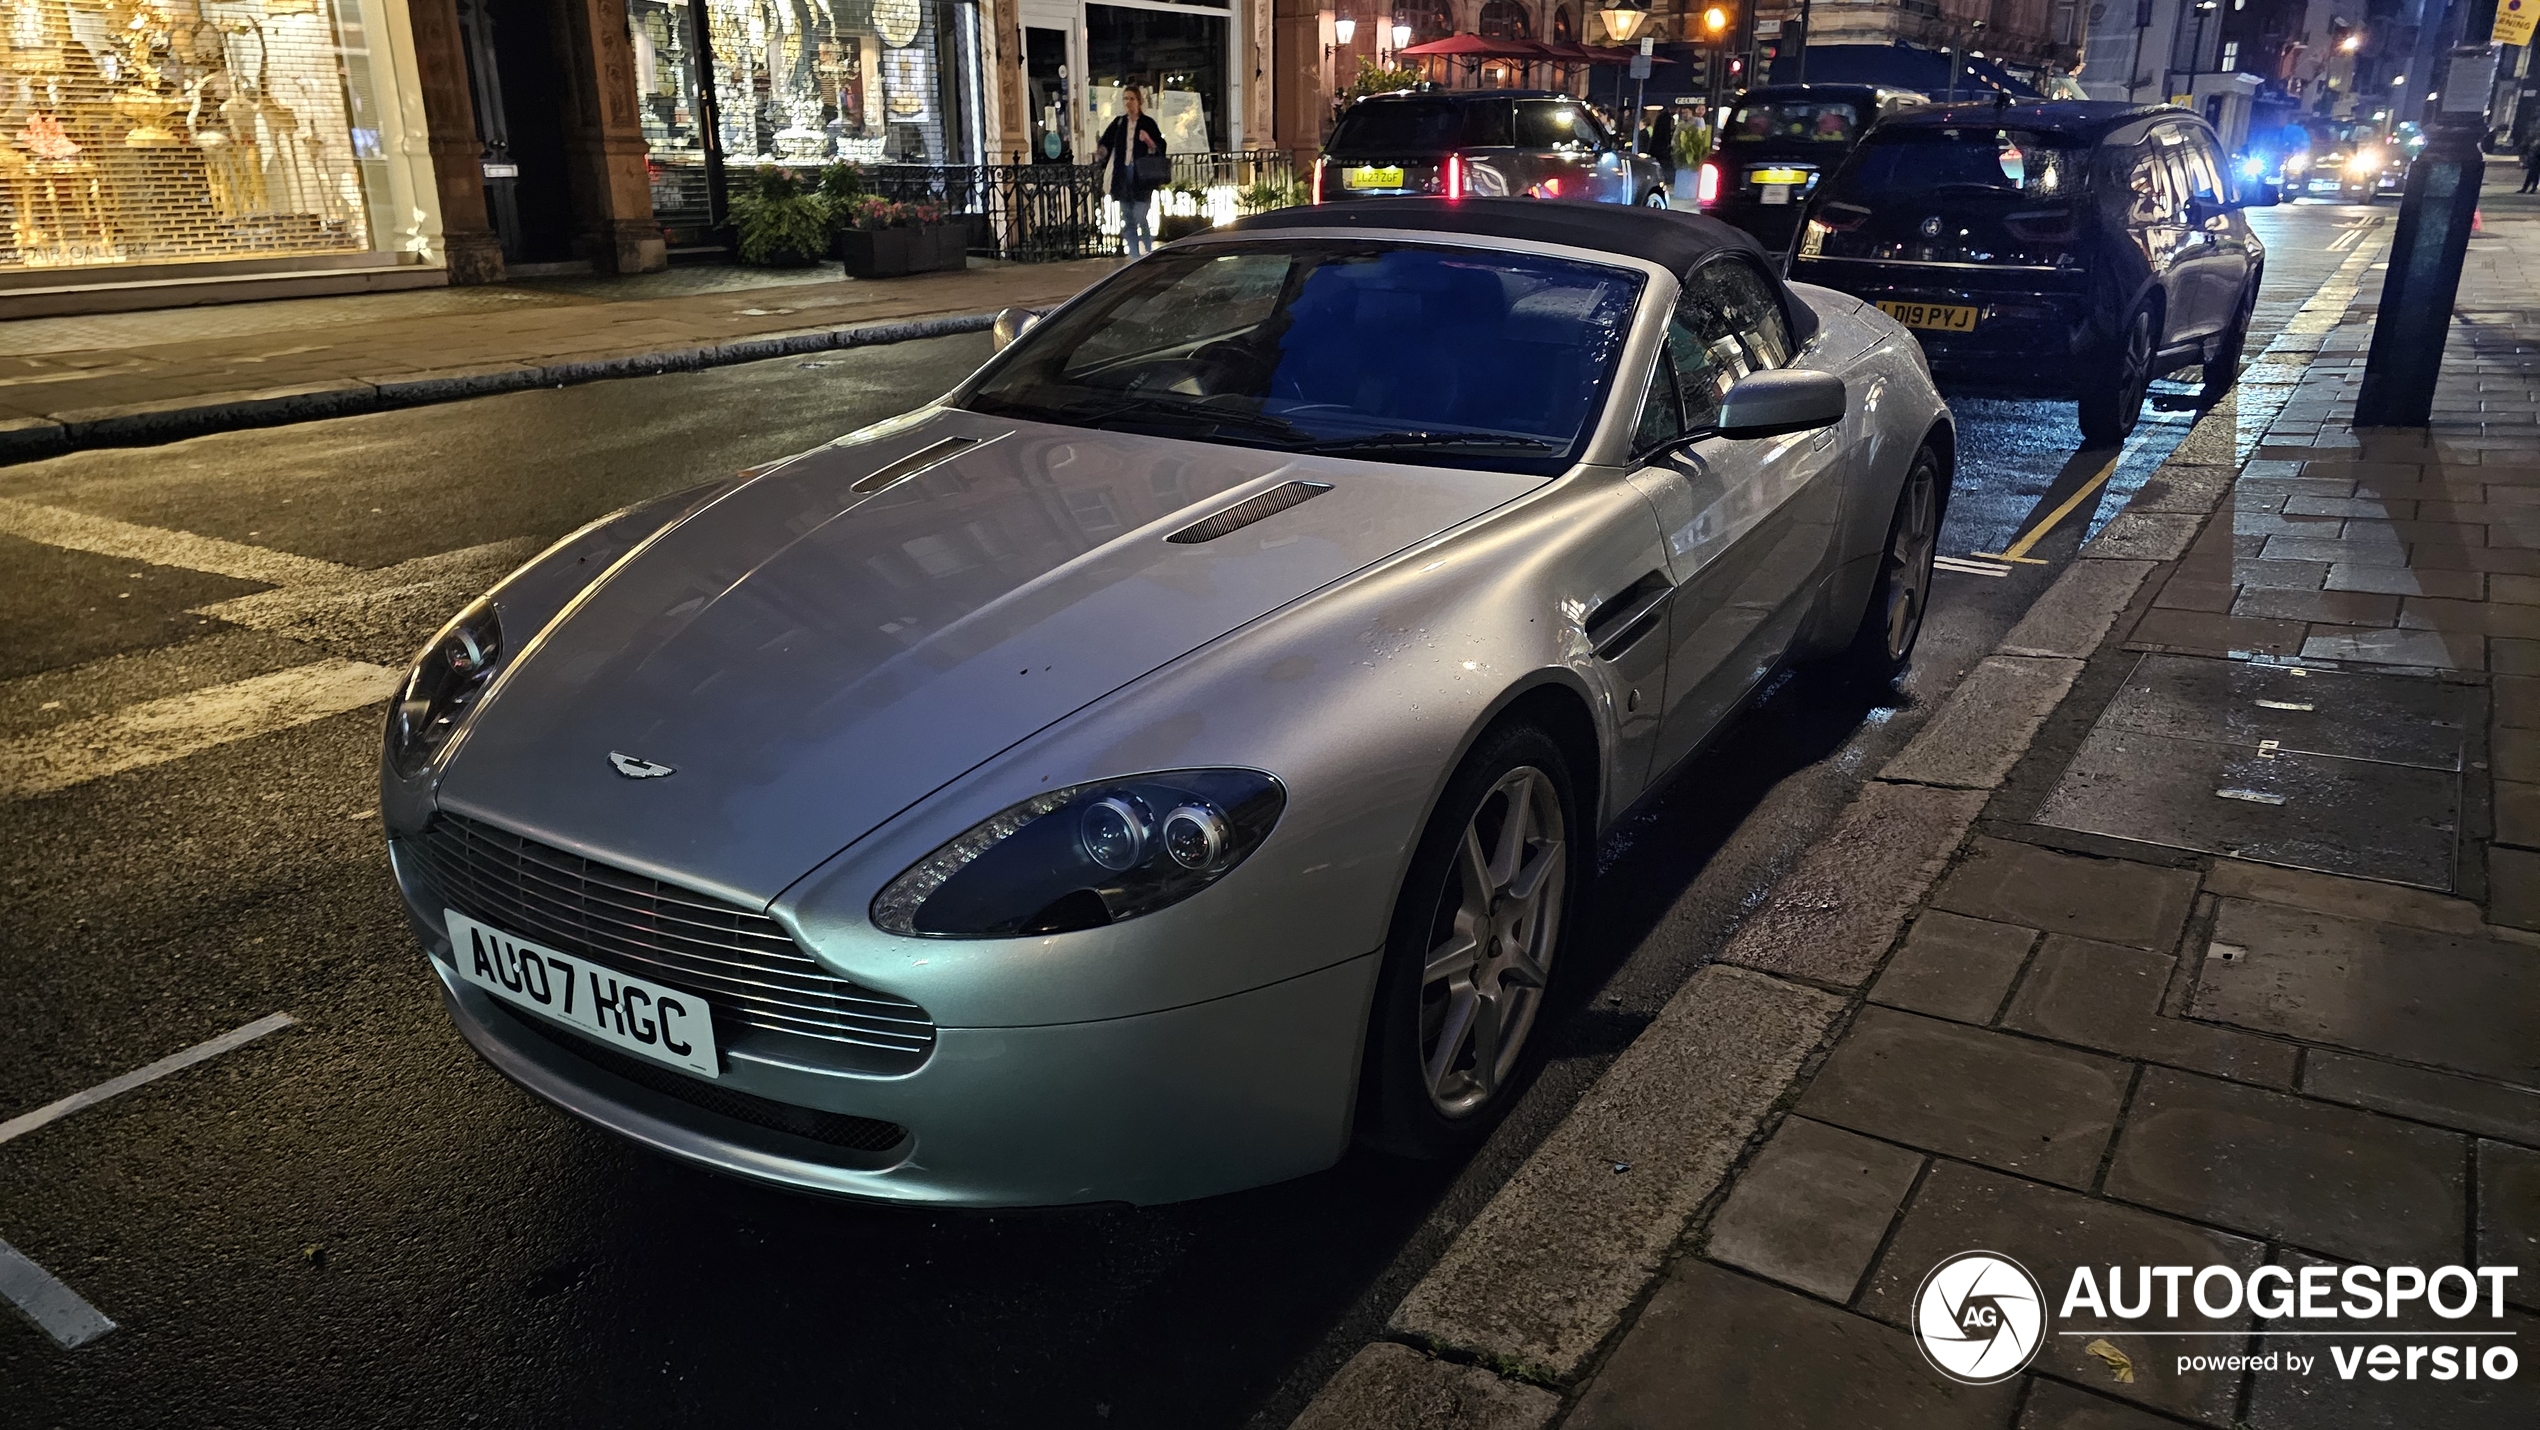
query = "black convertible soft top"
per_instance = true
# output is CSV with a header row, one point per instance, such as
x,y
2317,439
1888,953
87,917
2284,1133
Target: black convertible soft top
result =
x,y
1674,241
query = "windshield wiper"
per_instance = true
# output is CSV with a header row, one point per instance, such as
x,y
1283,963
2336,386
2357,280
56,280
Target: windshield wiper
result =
x,y
1443,441
1174,411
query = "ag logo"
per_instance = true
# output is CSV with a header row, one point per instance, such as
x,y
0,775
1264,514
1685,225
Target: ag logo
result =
x,y
1979,1317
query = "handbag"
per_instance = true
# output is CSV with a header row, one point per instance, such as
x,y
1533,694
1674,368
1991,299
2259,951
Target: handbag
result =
x,y
1151,172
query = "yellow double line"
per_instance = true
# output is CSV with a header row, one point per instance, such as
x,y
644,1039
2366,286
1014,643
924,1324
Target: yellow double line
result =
x,y
2018,550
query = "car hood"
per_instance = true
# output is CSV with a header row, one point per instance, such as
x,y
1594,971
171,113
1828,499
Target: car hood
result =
x,y
810,660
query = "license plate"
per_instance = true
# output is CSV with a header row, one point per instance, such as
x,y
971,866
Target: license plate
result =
x,y
1939,316
1780,176
667,1025
1776,193
1375,178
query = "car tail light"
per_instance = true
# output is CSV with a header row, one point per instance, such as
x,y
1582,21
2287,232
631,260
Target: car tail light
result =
x,y
1318,181
1455,176
1708,187
2043,225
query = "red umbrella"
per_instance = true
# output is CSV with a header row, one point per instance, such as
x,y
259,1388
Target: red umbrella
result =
x,y
1469,47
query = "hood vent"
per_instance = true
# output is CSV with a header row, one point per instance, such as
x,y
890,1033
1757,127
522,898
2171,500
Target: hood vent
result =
x,y
1244,513
934,455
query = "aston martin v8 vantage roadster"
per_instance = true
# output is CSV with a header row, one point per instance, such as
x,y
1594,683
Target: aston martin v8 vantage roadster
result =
x,y
1178,751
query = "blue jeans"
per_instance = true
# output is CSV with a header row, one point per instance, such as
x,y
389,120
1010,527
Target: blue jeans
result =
x,y
1133,227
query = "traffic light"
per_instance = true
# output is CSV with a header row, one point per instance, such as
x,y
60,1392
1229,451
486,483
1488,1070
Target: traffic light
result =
x,y
1715,22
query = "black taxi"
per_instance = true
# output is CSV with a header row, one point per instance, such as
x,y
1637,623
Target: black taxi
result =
x,y
2068,248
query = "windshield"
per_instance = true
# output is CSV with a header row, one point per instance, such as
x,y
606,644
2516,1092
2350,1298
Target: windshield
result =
x,y
1416,126
1406,353
1813,121
1972,162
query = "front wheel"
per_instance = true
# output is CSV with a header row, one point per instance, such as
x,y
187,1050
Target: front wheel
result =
x,y
2108,413
1901,596
1654,199
2224,370
1482,916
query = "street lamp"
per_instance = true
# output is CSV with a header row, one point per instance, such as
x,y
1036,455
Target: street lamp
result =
x,y
1622,21
1401,33
1343,29
2350,44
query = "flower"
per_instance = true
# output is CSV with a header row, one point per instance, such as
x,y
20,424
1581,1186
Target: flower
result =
x,y
45,140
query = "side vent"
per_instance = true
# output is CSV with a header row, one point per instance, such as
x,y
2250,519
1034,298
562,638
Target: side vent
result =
x,y
934,455
1619,622
1244,513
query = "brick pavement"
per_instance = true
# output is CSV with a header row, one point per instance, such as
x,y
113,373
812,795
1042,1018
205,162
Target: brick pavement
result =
x,y
153,376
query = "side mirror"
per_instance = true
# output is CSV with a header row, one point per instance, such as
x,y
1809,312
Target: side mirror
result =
x,y
1769,404
1013,323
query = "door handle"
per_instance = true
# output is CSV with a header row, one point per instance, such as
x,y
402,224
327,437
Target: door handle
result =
x,y
1620,620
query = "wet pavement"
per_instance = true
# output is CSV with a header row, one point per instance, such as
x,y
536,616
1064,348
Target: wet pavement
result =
x,y
349,1221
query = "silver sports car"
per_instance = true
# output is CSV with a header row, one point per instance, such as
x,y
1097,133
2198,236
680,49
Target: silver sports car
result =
x,y
1178,750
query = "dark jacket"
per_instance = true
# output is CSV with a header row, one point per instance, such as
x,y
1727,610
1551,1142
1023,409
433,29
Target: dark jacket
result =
x,y
1123,179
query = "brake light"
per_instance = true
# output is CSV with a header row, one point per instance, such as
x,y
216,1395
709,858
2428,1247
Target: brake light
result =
x,y
1455,176
1707,190
1318,181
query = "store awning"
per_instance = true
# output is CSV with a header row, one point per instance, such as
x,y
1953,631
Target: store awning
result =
x,y
1470,47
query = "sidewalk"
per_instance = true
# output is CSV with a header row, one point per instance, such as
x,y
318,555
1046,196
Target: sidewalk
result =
x,y
122,378
2196,929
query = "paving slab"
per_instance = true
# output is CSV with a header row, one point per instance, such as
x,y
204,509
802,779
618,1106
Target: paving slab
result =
x,y
1543,1275
1951,966
2397,719
2368,899
2424,1095
1393,1387
2077,611
2112,900
2053,1405
1716,1349
2005,1101
1831,919
2330,1178
2328,1398
2052,1233
1812,1208
2509,1218
2107,997
2417,996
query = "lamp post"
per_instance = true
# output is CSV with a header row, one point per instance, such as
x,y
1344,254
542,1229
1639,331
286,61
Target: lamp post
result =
x,y
1715,23
1622,21
2196,51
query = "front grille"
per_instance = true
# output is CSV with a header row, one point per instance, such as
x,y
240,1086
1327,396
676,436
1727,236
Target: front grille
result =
x,y
856,1134
739,959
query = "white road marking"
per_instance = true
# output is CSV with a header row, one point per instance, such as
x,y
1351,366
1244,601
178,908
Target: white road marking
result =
x,y
157,731
105,536
1971,568
58,1309
55,1111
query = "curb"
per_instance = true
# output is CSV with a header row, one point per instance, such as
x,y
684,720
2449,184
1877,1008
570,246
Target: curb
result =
x,y
1822,935
146,424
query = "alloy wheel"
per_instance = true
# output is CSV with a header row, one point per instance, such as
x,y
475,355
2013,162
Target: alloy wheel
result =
x,y
1492,942
1909,561
1655,199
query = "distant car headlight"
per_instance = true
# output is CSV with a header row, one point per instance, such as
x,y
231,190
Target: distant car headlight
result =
x,y
1085,856
2364,162
446,679
2250,168
2297,163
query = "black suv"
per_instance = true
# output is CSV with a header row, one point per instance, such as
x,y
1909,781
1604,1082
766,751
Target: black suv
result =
x,y
2076,249
1781,139
1484,144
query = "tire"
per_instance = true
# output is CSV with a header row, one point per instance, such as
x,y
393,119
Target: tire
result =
x,y
2224,370
1892,621
2108,414
1448,1041
1654,199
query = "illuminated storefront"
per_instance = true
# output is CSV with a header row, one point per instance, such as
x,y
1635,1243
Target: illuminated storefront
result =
x,y
1183,56
193,132
729,85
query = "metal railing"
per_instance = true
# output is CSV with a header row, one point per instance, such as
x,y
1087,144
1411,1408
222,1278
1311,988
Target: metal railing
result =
x,y
1047,212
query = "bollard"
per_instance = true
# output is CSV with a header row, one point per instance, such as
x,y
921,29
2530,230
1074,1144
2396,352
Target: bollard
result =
x,y
2435,212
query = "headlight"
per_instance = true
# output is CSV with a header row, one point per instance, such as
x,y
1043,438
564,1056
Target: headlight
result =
x,y
2297,163
446,678
1085,856
2251,168
2366,161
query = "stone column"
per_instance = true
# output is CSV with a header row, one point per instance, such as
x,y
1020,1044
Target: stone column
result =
x,y
1304,87
604,146
1001,33
472,253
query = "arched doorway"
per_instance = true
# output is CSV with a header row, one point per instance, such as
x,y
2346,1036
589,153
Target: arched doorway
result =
x,y
1564,31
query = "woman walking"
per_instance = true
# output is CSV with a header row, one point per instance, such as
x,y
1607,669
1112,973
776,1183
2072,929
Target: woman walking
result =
x,y
1131,137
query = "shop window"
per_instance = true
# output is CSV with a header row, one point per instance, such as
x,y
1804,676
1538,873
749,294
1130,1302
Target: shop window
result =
x,y
1178,60
145,131
1564,29
1429,20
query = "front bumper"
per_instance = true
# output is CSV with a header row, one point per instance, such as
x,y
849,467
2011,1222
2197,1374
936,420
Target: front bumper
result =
x,y
1161,1107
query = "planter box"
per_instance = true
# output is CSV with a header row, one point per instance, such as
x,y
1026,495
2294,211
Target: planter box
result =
x,y
893,252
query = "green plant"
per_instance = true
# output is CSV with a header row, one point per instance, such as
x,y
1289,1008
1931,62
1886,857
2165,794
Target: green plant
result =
x,y
1270,194
1378,79
841,182
778,223
1693,143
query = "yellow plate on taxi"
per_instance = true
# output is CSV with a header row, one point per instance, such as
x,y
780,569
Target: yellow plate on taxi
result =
x,y
1375,178
1941,317
1778,176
